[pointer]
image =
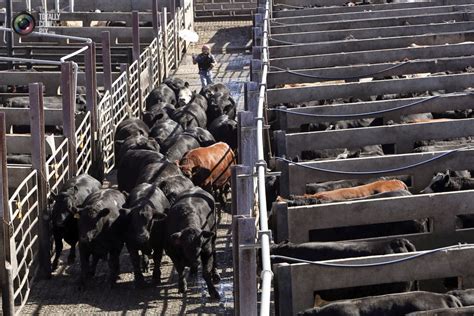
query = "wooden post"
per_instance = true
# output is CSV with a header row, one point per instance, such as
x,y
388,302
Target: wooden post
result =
x,y
38,158
247,300
8,303
107,60
164,29
247,139
69,103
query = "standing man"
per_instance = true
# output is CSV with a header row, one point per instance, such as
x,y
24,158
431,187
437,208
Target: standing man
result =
x,y
205,62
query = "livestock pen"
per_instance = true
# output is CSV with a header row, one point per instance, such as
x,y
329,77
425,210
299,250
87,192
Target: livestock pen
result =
x,y
132,60
316,64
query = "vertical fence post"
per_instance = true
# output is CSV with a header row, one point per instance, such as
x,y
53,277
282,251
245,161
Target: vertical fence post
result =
x,y
247,266
247,138
176,39
164,29
8,304
251,97
107,60
97,168
242,200
136,54
69,103
38,159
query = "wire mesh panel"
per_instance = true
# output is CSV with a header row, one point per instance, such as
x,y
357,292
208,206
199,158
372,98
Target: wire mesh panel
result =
x,y
106,131
171,45
120,106
23,233
181,26
155,62
133,83
57,168
146,75
84,145
161,56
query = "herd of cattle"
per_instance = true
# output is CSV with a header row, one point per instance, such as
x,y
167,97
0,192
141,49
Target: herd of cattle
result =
x,y
170,168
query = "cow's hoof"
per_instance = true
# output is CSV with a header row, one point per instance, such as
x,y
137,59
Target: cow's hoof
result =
x,y
216,278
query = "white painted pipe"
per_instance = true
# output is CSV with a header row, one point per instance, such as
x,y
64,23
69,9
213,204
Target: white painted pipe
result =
x,y
56,6
267,273
71,5
28,5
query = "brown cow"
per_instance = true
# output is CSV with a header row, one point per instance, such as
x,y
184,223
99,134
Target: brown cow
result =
x,y
354,192
208,167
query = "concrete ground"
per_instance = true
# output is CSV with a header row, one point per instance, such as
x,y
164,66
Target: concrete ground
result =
x,y
60,295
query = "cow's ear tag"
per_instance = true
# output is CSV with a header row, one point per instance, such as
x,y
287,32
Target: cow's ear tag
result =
x,y
77,215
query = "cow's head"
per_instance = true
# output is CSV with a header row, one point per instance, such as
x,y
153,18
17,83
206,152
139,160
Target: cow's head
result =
x,y
190,241
142,218
185,95
64,207
92,221
439,183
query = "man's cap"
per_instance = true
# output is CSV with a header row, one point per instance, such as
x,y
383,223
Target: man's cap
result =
x,y
205,47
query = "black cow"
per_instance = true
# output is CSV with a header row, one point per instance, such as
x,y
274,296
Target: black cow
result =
x,y
147,206
135,143
127,128
200,100
191,115
161,94
181,89
212,89
319,251
164,132
387,305
465,296
154,172
444,182
203,136
102,230
71,196
458,311
191,235
181,145
224,130
158,113
173,186
220,104
132,164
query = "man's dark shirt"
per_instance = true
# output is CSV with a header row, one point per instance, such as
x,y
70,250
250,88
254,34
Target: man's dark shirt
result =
x,y
204,61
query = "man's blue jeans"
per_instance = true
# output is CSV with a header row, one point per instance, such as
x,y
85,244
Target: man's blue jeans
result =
x,y
206,77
